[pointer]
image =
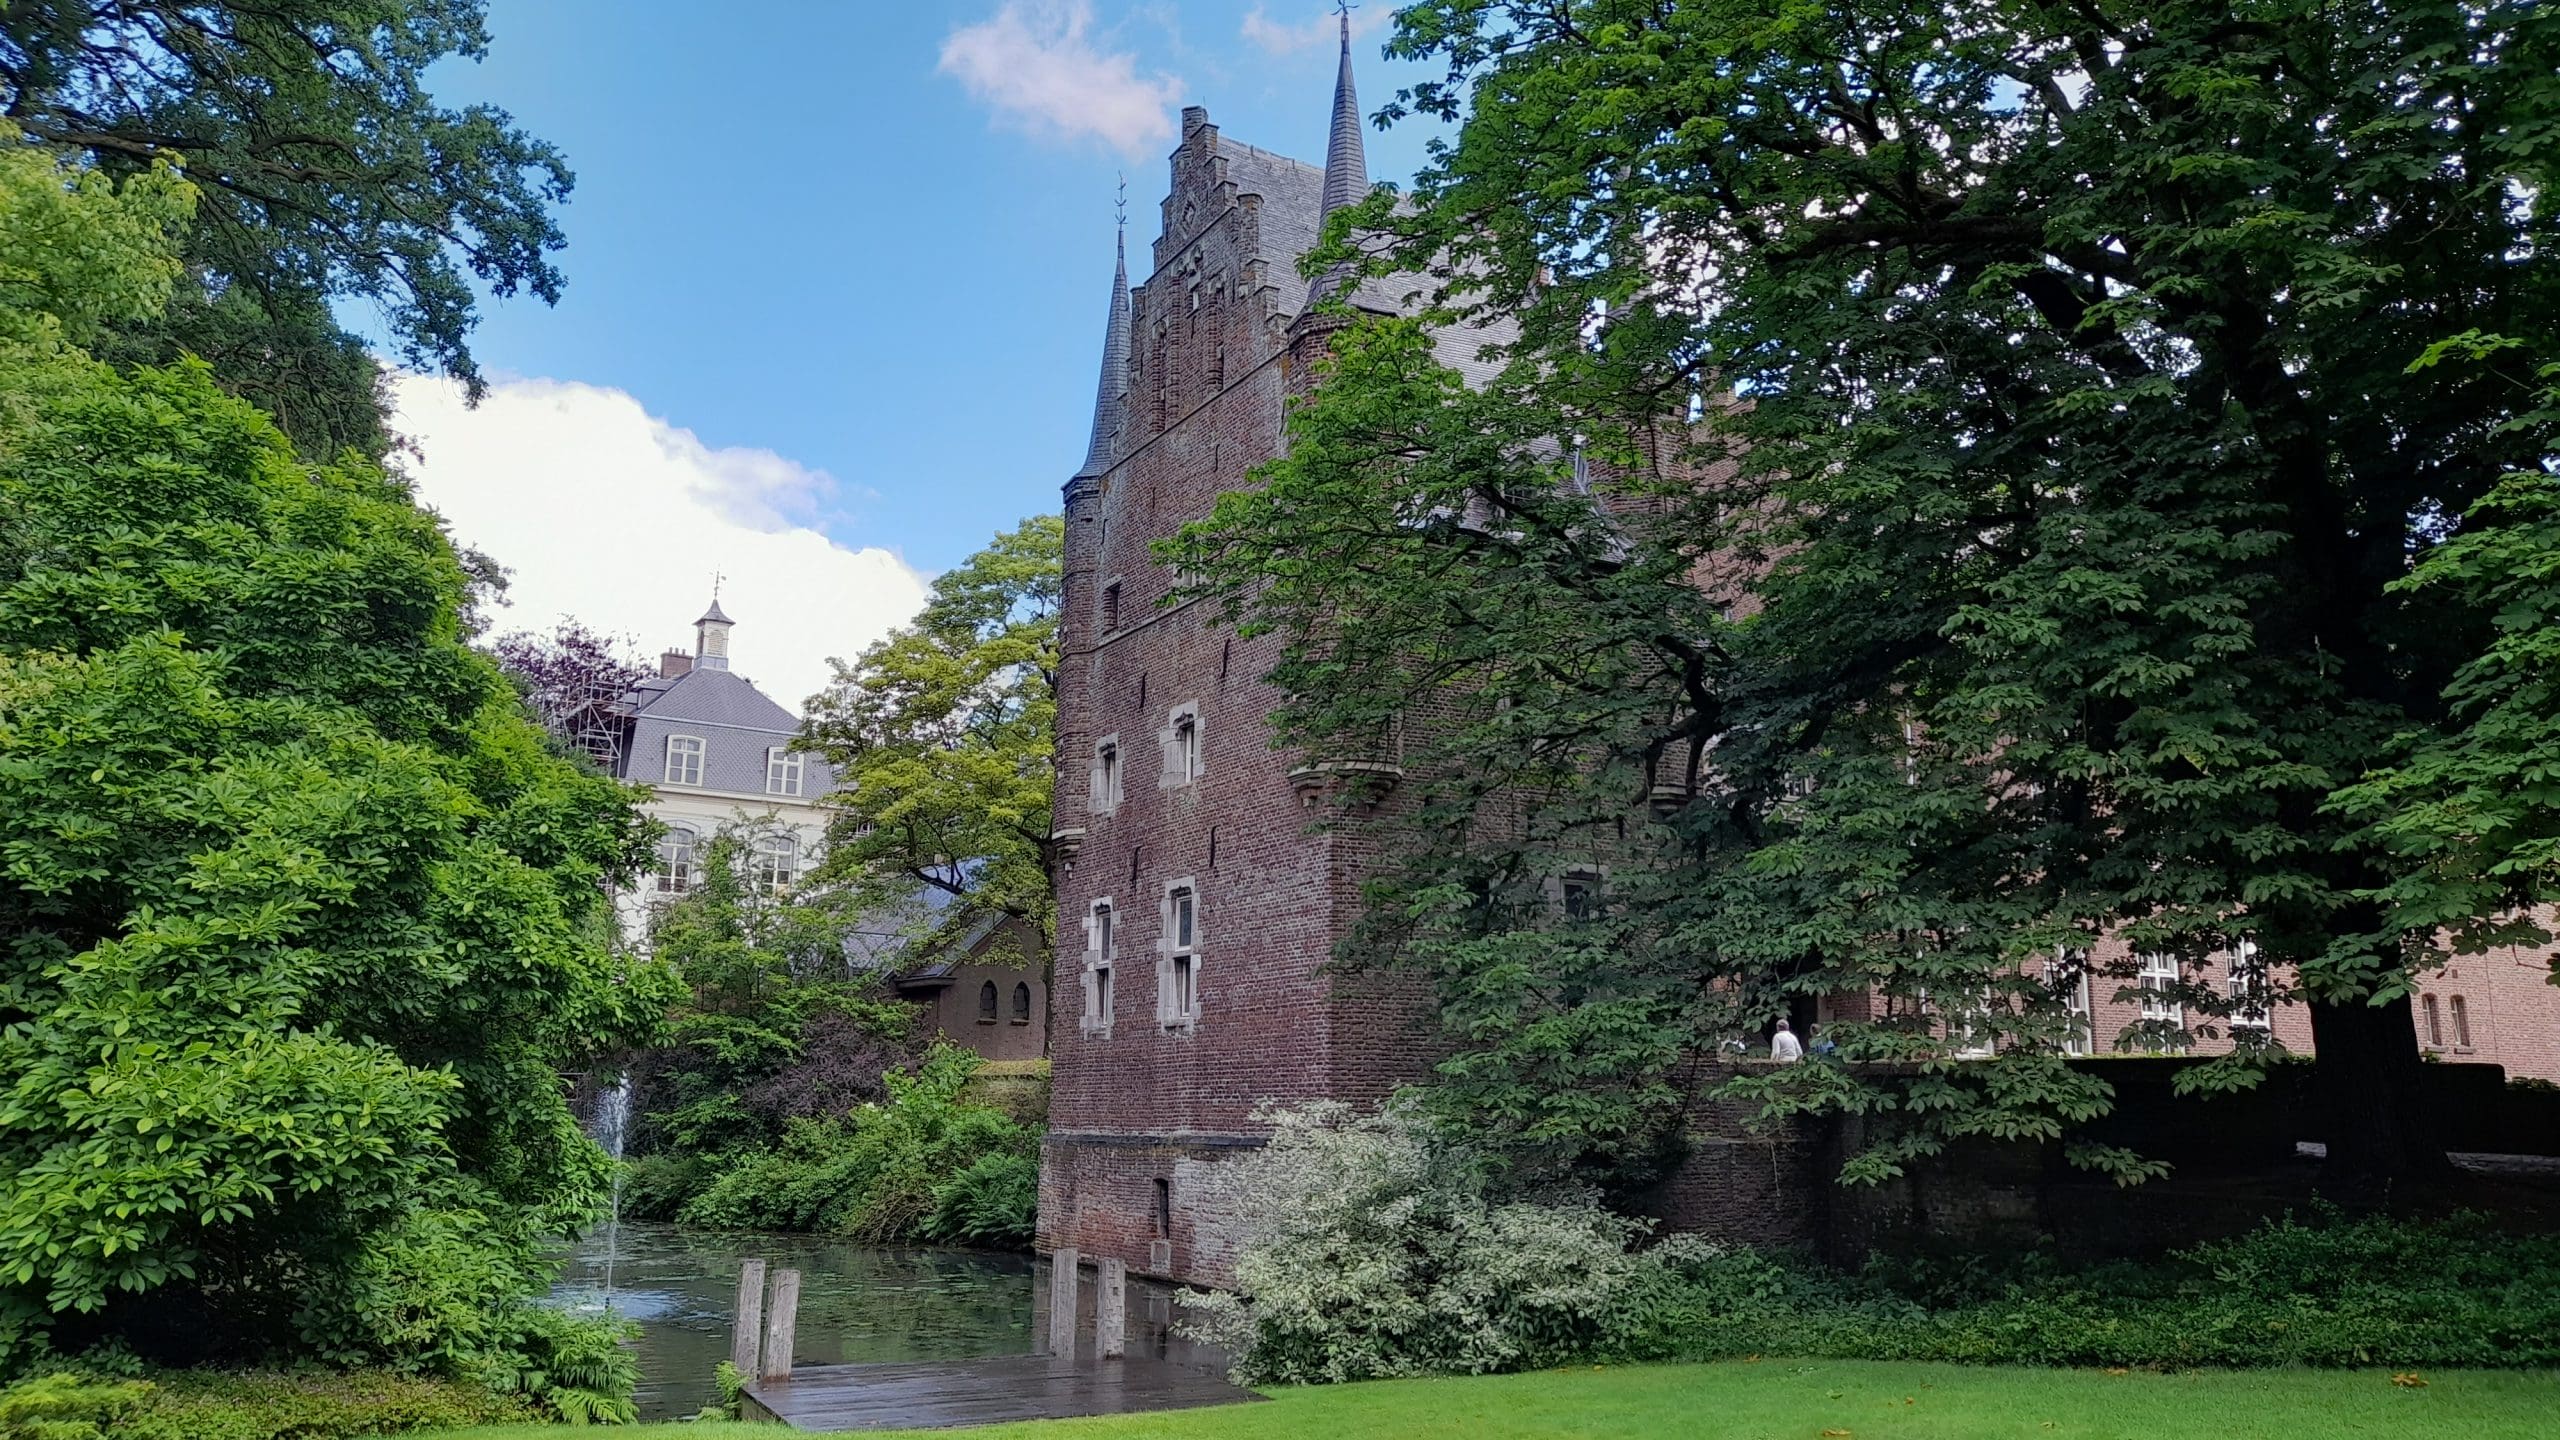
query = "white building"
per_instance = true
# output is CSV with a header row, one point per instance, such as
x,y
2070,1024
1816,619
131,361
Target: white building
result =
x,y
716,751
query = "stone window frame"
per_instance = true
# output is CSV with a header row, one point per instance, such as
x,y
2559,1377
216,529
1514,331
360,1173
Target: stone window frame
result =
x,y
1180,770
1101,962
1108,784
1178,964
700,755
785,770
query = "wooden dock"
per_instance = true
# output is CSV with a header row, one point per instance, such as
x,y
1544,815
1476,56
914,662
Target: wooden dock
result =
x,y
938,1395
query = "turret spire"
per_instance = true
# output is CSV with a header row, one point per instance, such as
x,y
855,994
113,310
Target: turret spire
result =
x,y
1346,163
1108,412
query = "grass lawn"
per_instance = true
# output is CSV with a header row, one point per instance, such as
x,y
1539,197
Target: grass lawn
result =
x,y
1808,1400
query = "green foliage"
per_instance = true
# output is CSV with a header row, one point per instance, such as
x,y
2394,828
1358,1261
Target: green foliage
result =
x,y
325,169
2007,516
1374,1248
2333,1293
65,1406
578,1370
992,1204
893,1171
299,917
79,251
941,737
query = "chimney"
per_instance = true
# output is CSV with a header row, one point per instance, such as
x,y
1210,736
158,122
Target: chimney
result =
x,y
674,663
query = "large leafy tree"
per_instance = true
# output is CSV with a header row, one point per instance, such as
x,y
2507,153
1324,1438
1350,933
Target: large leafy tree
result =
x,y
300,918
2037,462
325,169
941,737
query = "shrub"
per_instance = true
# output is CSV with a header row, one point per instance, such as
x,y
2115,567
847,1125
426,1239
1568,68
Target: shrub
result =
x,y
1376,1249
994,1203
218,1405
879,1174
69,1407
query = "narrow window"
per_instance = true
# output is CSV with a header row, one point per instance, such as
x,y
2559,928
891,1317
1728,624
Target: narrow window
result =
x,y
684,759
675,861
1164,1208
2461,1024
1101,953
2158,980
1186,749
1021,1002
987,1003
1106,776
1580,896
2067,976
2435,1024
1180,994
776,863
2250,1009
1111,607
782,770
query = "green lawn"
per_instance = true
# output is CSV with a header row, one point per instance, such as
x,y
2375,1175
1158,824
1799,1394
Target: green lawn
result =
x,y
1806,1400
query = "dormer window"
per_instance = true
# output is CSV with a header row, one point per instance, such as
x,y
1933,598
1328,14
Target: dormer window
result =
x,y
782,770
684,760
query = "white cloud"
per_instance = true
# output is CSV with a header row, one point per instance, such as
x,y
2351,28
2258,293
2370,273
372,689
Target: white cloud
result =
x,y
1035,63
612,515
1278,38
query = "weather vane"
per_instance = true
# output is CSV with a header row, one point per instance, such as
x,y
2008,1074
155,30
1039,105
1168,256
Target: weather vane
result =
x,y
1122,205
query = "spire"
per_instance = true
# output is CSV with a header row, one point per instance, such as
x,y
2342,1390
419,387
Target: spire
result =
x,y
1107,409
1346,164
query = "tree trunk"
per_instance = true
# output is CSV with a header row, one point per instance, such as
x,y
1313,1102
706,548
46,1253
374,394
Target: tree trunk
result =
x,y
2367,1080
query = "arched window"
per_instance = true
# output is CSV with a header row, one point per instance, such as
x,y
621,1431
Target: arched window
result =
x,y
675,861
2435,1022
1021,1002
2461,1024
987,1003
776,862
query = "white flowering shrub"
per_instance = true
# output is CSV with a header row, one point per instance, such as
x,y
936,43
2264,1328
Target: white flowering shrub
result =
x,y
1373,1248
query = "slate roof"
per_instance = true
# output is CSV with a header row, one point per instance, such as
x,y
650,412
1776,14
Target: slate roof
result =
x,y
1108,404
736,722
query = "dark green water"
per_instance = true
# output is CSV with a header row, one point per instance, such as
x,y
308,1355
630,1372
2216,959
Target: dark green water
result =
x,y
858,1303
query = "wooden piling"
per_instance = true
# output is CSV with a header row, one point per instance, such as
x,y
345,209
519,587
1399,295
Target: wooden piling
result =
x,y
1111,1310
1062,1302
781,1325
743,1347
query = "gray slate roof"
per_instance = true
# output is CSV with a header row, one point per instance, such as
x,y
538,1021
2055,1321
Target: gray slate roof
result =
x,y
736,722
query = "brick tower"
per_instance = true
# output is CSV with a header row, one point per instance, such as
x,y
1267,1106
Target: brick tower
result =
x,y
1205,904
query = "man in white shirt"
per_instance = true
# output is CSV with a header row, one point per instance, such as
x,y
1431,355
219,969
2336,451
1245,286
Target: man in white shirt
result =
x,y
1784,1047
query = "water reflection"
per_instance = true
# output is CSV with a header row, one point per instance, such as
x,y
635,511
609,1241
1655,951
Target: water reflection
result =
x,y
858,1303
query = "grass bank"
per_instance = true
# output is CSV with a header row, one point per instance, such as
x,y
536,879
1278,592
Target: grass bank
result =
x,y
1861,1400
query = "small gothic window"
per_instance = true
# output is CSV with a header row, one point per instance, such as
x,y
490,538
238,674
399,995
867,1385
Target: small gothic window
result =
x,y
2435,1022
2461,1024
987,1003
1021,1003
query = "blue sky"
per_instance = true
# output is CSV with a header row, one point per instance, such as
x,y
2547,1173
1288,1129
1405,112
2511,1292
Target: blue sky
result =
x,y
843,269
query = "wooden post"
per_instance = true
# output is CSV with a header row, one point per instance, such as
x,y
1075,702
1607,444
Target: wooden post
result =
x,y
782,1325
742,1341
1062,1302
1111,1310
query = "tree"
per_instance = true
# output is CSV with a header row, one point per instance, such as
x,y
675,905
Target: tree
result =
x,y
573,678
299,916
2102,373
942,735
325,170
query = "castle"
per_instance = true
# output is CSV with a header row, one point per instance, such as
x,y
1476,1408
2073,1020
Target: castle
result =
x,y
1203,905
1197,905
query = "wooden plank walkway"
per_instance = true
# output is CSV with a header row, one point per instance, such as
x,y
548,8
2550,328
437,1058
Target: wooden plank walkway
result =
x,y
945,1394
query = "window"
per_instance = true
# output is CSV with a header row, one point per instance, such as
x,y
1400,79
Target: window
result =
x,y
775,863
1021,1002
987,1003
1164,1208
2435,1024
2461,1024
1181,740
2157,978
782,770
1973,1029
684,759
1578,895
1111,607
2249,990
675,861
1101,950
2067,976
1106,775
1178,984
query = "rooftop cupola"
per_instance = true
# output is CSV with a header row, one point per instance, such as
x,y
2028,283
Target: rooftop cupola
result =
x,y
711,637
